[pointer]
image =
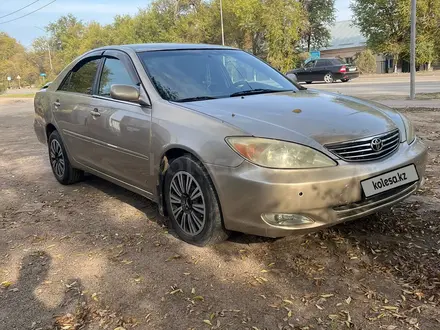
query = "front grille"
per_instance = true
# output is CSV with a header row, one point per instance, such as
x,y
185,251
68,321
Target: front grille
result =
x,y
362,150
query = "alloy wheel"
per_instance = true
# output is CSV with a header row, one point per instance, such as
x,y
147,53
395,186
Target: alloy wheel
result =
x,y
57,158
328,78
187,203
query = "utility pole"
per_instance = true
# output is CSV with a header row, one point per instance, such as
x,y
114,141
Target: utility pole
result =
x,y
221,18
412,95
48,49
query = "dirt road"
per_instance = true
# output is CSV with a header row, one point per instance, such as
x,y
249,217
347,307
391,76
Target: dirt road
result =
x,y
95,256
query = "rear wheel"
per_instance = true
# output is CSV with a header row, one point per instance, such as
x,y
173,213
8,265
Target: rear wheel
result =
x,y
192,203
328,78
61,167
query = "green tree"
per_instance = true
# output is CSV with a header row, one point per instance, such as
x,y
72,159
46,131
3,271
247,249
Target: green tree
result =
x,y
386,24
366,61
320,14
383,23
14,61
284,21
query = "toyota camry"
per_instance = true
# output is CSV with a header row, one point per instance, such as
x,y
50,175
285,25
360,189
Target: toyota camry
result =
x,y
223,142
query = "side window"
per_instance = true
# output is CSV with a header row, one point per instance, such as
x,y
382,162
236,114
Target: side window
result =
x,y
113,73
310,64
320,63
81,78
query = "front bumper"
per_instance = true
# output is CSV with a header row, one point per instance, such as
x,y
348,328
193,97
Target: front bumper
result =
x,y
327,195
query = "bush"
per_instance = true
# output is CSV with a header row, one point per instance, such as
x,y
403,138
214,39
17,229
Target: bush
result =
x,y
366,61
2,88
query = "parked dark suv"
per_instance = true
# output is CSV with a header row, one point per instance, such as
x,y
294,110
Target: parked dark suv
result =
x,y
325,69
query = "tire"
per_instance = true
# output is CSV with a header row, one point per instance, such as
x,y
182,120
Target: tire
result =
x,y
308,82
328,78
59,162
196,220
345,80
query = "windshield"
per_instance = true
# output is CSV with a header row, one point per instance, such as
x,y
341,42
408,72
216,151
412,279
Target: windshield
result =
x,y
191,75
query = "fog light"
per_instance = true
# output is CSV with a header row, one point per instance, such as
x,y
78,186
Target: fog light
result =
x,y
284,219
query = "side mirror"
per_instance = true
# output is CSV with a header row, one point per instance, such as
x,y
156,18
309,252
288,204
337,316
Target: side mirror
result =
x,y
125,93
292,77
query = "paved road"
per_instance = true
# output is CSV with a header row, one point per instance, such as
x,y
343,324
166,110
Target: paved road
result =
x,y
376,88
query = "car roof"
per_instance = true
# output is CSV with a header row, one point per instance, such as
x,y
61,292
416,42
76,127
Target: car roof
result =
x,y
163,46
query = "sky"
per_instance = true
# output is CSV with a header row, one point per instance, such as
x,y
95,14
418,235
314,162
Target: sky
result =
x,y
28,28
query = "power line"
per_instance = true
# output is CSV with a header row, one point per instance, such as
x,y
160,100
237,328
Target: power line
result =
x,y
19,9
28,13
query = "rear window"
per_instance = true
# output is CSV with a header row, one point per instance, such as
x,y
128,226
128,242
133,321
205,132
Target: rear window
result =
x,y
81,78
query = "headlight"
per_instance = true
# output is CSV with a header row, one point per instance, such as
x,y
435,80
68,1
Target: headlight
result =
x,y
409,129
278,154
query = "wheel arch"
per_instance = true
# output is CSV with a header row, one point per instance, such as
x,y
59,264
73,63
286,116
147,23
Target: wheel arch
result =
x,y
50,128
168,155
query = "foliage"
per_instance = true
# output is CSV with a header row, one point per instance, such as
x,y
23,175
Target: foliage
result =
x,y
321,14
270,29
386,24
14,61
366,61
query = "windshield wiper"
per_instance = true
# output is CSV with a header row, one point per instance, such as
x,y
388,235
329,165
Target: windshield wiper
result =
x,y
196,98
258,91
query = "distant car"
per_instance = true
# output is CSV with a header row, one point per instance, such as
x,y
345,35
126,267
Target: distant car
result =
x,y
223,142
325,69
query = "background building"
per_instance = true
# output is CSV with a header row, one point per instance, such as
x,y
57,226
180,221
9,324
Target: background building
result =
x,y
346,41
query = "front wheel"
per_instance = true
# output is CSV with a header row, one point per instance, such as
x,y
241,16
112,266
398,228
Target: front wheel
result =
x,y
192,203
328,78
345,80
308,82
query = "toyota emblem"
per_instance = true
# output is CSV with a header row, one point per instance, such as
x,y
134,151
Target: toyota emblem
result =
x,y
377,144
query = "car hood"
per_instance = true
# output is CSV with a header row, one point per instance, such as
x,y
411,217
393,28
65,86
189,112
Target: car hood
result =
x,y
303,116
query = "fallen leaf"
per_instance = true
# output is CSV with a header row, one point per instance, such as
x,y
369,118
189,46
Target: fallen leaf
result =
x,y
208,322
176,291
348,300
6,284
327,295
199,298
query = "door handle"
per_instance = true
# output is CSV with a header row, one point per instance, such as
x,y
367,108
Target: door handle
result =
x,y
95,113
57,103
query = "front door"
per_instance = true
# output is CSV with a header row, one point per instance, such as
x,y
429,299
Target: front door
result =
x,y
120,130
306,74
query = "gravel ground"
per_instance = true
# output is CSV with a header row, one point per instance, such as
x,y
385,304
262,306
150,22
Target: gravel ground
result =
x,y
95,256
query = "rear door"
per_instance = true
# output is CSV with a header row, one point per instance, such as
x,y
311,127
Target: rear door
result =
x,y
71,105
321,68
120,130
